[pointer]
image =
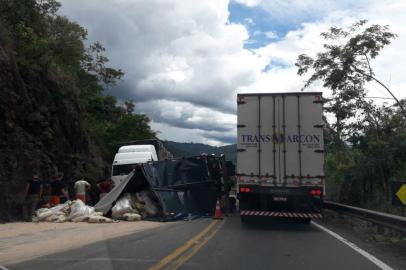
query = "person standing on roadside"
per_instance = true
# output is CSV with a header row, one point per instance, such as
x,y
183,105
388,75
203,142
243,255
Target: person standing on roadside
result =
x,y
105,187
33,193
57,190
45,201
65,191
81,186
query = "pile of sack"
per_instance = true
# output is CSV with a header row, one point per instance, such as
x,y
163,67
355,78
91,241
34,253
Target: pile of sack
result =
x,y
129,207
134,206
75,211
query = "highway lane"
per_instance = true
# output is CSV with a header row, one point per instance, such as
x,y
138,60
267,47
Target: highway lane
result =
x,y
276,245
207,244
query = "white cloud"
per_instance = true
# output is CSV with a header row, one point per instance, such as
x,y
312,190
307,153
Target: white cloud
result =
x,y
271,35
249,21
169,132
268,34
297,11
184,61
306,39
249,3
185,114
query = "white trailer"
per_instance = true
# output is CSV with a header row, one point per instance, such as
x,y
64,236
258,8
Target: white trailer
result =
x,y
280,155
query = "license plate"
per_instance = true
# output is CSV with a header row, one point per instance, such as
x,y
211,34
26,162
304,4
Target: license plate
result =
x,y
280,192
280,199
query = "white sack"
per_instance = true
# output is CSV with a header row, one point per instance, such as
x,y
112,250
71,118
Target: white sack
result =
x,y
123,206
150,207
99,219
132,217
79,209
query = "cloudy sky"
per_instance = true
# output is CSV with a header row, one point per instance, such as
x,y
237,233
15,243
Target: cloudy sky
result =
x,y
185,60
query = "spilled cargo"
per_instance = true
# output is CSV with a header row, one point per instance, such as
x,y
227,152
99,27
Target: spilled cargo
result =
x,y
168,190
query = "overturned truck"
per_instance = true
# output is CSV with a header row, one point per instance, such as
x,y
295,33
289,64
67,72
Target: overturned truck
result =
x,y
169,189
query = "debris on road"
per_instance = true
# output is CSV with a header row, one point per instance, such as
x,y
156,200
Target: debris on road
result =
x,y
79,209
126,204
159,191
99,219
75,211
168,190
131,217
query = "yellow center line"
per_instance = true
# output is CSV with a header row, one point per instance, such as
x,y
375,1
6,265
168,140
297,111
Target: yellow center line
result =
x,y
186,256
169,258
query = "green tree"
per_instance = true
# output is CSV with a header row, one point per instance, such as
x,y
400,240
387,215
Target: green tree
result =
x,y
365,146
129,107
345,67
50,46
94,62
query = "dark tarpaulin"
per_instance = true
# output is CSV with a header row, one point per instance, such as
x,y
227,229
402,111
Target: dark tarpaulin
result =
x,y
230,168
179,187
136,181
183,186
107,202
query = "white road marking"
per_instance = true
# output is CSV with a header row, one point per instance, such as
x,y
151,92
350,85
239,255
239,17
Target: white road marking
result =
x,y
367,255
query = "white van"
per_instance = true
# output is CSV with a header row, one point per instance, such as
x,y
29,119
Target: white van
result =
x,y
127,157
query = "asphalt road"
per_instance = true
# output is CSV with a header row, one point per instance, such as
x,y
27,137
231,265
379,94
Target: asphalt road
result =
x,y
208,244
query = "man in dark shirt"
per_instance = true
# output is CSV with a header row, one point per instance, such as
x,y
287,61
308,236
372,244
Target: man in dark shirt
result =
x,y
57,190
33,193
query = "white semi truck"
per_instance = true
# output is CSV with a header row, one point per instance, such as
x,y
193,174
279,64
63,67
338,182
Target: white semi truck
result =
x,y
135,152
280,155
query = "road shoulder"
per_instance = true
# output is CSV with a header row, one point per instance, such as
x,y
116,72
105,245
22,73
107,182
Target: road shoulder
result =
x,y
392,254
25,241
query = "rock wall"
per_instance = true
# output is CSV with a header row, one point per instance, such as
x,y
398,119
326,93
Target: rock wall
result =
x,y
41,127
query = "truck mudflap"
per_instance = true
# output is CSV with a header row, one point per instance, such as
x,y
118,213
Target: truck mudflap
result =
x,y
280,214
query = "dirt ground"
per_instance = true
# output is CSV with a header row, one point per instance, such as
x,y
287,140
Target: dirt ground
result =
x,y
23,241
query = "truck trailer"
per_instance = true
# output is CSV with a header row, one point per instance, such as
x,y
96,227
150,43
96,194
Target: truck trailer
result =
x,y
280,155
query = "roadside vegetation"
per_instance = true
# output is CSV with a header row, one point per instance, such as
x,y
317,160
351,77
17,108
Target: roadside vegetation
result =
x,y
55,113
49,44
54,110
365,137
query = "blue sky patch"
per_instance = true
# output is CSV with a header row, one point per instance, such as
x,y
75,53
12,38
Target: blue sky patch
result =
x,y
275,63
262,27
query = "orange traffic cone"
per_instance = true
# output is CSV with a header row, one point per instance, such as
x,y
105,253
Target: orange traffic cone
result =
x,y
218,214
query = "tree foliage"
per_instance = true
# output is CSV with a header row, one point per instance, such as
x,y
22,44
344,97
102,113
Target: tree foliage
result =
x,y
345,65
365,144
48,44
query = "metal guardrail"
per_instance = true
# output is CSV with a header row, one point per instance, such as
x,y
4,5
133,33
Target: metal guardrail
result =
x,y
394,222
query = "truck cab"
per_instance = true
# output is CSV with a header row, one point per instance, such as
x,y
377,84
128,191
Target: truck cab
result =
x,y
127,157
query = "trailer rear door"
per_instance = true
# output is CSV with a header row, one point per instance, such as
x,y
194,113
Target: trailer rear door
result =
x,y
280,139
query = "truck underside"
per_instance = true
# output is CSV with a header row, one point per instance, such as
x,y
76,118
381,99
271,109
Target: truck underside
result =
x,y
303,203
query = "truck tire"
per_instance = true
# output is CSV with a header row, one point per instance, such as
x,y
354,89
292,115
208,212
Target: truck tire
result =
x,y
245,219
232,204
305,220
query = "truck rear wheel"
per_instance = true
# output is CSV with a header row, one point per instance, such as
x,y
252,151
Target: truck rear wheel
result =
x,y
232,204
305,220
245,219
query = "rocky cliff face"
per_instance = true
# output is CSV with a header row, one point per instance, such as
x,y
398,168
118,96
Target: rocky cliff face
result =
x,y
41,126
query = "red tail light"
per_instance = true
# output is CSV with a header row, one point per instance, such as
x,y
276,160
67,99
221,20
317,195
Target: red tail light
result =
x,y
245,189
315,192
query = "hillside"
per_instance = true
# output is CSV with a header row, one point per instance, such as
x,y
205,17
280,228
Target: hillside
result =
x,y
53,113
192,149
